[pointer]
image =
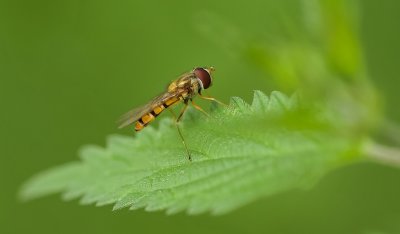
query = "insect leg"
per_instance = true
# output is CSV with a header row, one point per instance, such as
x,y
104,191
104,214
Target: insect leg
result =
x,y
182,112
179,130
212,99
200,109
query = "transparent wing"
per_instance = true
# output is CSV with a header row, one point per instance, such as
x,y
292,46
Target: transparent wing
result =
x,y
135,114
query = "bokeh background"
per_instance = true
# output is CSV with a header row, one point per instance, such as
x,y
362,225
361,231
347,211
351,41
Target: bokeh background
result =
x,y
68,69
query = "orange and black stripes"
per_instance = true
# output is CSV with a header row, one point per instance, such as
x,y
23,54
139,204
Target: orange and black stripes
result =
x,y
149,117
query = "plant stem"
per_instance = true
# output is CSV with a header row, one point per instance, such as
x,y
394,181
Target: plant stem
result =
x,y
392,131
383,154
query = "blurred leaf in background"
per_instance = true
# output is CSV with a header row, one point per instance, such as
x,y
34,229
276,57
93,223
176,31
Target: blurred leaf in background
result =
x,y
70,67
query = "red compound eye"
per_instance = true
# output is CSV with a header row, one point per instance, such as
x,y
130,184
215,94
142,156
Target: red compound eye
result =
x,y
203,76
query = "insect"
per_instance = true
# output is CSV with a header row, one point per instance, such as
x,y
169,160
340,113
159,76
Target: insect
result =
x,y
185,88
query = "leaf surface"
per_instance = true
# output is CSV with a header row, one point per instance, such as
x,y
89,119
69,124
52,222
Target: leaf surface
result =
x,y
240,154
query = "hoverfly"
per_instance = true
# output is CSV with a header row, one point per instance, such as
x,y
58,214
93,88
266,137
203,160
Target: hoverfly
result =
x,y
185,88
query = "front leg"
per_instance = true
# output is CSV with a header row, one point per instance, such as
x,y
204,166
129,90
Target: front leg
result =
x,y
200,109
212,99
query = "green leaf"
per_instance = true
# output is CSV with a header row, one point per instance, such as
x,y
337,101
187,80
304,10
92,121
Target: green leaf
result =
x,y
241,153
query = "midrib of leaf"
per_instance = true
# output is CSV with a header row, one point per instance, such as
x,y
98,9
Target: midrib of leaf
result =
x,y
242,153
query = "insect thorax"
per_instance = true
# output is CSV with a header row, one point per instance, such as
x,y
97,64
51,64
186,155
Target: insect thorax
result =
x,y
189,84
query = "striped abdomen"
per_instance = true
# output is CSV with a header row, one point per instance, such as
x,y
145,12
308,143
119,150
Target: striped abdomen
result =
x,y
150,116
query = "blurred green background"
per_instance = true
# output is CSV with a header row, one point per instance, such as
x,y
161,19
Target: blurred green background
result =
x,y
68,69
